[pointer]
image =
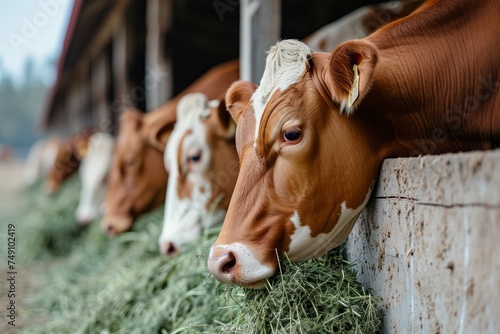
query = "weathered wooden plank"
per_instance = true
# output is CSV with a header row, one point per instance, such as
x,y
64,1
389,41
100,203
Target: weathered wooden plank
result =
x,y
428,243
158,81
100,82
260,28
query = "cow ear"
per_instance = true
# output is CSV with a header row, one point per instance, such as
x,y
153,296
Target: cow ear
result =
x,y
159,133
225,126
238,96
351,69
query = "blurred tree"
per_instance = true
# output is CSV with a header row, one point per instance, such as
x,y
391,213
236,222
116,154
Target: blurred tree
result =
x,y
20,108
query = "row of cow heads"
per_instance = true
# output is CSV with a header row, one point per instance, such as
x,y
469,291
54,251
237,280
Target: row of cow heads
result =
x,y
200,159
137,178
286,198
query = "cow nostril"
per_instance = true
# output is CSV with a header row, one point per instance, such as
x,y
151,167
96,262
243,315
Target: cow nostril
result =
x,y
171,250
110,231
229,264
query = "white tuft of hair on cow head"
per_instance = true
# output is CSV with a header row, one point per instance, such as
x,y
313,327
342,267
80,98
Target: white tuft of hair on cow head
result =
x,y
286,63
93,172
192,198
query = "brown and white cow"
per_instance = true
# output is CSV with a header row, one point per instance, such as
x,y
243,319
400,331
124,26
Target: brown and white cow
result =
x,y
202,165
138,179
312,137
67,161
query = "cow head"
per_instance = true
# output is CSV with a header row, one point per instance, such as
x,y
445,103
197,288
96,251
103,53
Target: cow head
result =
x,y
202,163
93,175
137,179
67,160
306,169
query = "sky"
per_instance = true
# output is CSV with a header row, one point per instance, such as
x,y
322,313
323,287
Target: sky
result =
x,y
32,28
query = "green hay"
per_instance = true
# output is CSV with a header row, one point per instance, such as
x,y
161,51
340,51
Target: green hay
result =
x,y
47,227
316,296
123,285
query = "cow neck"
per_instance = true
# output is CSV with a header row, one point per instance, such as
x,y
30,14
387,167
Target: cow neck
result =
x,y
413,75
422,122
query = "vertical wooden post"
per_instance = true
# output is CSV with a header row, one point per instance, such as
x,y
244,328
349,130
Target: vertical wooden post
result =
x,y
73,107
260,28
86,114
121,58
158,80
99,87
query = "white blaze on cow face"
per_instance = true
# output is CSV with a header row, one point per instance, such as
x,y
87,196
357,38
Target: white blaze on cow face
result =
x,y
93,175
286,63
190,204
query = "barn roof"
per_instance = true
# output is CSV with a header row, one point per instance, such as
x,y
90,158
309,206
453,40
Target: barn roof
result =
x,y
199,39
89,27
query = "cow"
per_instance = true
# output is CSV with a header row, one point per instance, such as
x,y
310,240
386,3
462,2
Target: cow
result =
x,y
93,172
68,156
312,136
137,179
40,159
202,165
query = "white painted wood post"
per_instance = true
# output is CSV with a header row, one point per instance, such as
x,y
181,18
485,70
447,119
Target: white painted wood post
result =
x,y
260,28
158,80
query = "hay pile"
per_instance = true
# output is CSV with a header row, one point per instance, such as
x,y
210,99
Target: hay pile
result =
x,y
88,283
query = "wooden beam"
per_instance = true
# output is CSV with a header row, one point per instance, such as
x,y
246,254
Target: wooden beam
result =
x,y
73,106
121,57
427,243
99,86
103,36
158,80
260,28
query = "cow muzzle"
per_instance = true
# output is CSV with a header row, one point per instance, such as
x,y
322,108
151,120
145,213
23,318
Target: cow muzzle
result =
x,y
114,225
84,219
50,186
236,264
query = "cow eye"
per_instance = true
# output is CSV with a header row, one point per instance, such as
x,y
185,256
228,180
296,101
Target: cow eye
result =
x,y
194,158
292,135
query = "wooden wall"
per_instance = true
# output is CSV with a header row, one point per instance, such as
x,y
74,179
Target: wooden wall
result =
x,y
428,243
